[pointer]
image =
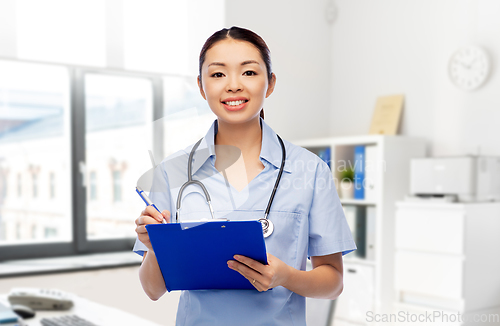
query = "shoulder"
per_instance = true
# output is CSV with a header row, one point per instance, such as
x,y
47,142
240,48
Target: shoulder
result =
x,y
304,160
178,156
174,166
296,151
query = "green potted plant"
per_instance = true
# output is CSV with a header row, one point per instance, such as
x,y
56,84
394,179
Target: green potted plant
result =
x,y
347,183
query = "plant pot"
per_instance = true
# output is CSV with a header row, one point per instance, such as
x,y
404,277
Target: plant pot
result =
x,y
346,189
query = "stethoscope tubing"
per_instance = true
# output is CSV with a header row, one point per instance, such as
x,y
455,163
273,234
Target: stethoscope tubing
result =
x,y
207,195
190,182
283,156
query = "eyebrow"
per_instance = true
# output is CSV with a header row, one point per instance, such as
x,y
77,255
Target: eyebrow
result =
x,y
249,62
243,63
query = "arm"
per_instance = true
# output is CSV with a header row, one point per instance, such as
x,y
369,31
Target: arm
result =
x,y
150,276
149,273
325,281
328,232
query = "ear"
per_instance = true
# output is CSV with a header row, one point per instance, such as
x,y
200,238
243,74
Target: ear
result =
x,y
201,88
270,86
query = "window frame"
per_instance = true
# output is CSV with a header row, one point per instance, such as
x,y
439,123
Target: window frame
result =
x,y
79,244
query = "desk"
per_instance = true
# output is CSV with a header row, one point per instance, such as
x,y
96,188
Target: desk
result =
x,y
94,312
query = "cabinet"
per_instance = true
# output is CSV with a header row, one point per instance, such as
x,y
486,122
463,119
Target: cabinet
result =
x,y
368,280
447,257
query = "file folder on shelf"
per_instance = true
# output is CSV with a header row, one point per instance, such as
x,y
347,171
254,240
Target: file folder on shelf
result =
x,y
371,165
193,256
359,172
371,212
356,219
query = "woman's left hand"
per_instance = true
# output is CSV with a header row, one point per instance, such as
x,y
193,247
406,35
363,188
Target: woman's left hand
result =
x,y
263,277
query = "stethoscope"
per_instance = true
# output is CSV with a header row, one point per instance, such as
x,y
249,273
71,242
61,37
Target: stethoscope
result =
x,y
267,225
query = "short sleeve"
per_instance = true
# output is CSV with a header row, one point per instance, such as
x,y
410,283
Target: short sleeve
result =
x,y
329,232
161,197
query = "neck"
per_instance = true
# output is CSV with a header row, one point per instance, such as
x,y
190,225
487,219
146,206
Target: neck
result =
x,y
246,136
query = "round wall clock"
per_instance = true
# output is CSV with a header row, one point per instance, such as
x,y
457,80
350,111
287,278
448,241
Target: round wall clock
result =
x,y
469,67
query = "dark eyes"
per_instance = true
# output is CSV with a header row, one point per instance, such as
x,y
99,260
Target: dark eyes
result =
x,y
246,73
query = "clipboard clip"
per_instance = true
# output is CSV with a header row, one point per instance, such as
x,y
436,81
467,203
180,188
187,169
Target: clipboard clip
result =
x,y
194,223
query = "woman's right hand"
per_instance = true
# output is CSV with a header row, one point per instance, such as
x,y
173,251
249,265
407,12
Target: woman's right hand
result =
x,y
149,216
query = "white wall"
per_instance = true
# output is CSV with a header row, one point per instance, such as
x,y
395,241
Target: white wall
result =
x,y
8,42
299,38
390,46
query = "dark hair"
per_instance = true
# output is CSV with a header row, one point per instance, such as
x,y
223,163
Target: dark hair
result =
x,y
240,34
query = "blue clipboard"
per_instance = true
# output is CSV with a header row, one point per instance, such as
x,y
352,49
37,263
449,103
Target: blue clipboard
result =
x,y
193,256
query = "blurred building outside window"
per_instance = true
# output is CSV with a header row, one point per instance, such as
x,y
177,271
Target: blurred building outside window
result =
x,y
36,104
19,185
52,181
34,184
34,139
117,186
93,186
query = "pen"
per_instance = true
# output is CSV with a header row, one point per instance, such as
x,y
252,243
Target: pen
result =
x,y
148,201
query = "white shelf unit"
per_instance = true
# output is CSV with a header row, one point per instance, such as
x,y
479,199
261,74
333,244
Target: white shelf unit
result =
x,y
358,202
369,284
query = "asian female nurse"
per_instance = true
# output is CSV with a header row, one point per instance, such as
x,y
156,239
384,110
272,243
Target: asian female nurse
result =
x,y
235,78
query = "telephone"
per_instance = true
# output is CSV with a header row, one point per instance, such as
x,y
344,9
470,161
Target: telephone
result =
x,y
40,299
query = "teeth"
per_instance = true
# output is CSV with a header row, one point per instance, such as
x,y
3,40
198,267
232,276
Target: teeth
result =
x,y
235,102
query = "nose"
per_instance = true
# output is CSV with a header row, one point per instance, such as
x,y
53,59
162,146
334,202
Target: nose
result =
x,y
233,85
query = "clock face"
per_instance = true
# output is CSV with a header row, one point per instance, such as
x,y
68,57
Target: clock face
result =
x,y
469,67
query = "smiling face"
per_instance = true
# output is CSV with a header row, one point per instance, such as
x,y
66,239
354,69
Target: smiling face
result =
x,y
234,81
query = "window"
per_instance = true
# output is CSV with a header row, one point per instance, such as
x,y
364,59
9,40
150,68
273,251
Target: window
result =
x,y
52,187
187,115
19,185
33,231
18,231
117,186
4,180
118,109
50,232
118,115
82,137
93,186
34,178
35,137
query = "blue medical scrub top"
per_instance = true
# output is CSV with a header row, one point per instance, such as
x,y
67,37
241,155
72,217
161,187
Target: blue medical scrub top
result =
x,y
306,212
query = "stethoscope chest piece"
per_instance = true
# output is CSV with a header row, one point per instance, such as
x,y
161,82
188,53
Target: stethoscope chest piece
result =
x,y
267,227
